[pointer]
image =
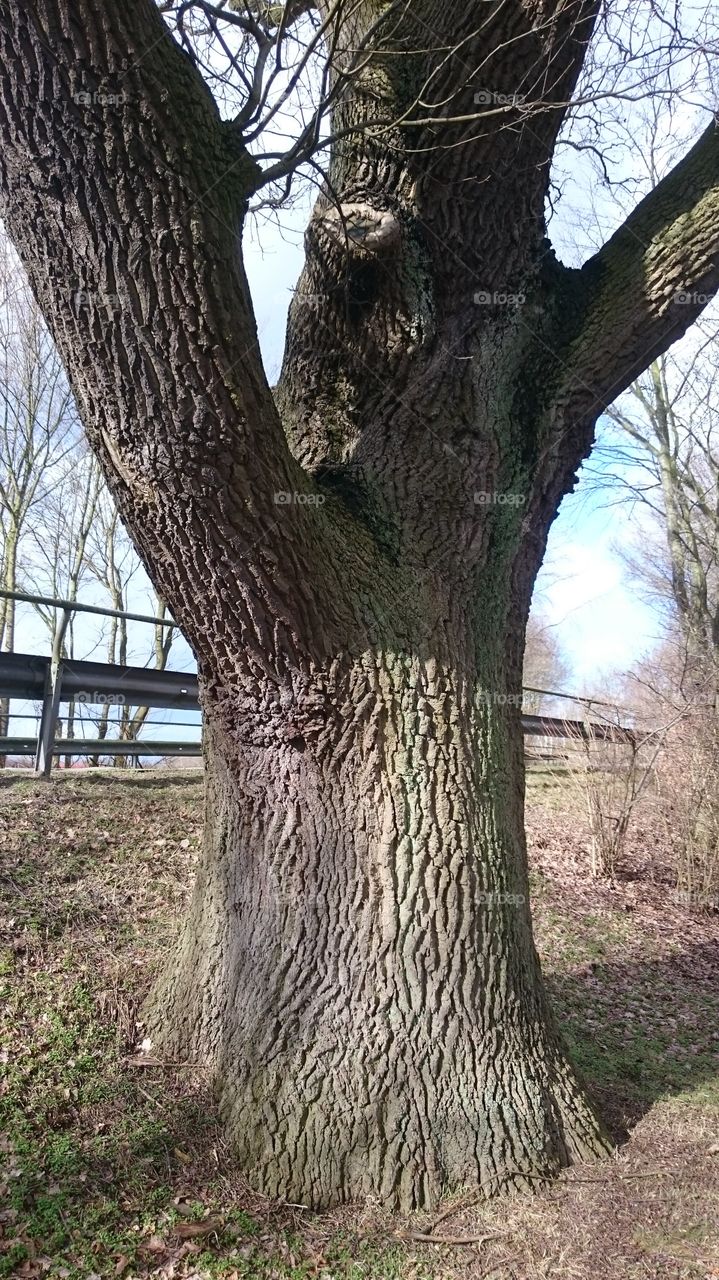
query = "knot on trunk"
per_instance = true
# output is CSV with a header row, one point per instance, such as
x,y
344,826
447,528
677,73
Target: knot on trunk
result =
x,y
361,229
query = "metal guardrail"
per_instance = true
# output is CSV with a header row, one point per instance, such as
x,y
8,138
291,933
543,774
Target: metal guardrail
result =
x,y
102,747
31,677
55,679
24,675
77,606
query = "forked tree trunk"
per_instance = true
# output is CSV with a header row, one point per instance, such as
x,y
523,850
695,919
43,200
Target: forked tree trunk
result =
x,y
351,556
358,965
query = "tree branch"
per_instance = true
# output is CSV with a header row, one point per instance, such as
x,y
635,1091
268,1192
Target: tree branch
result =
x,y
649,282
125,195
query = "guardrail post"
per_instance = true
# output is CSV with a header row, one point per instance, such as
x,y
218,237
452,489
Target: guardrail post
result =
x,y
51,701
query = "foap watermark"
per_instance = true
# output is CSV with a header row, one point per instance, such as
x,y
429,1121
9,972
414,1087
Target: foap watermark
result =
x,y
493,498
523,701
283,498
499,298
94,300
99,98
488,98
689,298
500,898
93,696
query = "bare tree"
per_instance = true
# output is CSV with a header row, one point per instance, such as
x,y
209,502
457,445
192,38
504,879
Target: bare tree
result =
x,y
352,555
38,426
671,419
113,561
545,665
163,639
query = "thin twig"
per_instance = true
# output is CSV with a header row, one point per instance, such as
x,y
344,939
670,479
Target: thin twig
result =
x,y
469,1203
654,1173
424,1238
150,1098
149,1063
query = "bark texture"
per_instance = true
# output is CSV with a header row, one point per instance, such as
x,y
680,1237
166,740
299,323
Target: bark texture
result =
x,y
359,961
352,558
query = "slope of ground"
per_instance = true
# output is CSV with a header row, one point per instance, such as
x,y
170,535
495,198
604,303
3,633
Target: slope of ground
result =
x,y
113,1167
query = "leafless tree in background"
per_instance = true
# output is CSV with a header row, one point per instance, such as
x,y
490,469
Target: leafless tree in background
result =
x,y
59,527
38,426
545,666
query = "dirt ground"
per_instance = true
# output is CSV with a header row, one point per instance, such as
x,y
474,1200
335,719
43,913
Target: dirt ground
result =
x,y
111,1167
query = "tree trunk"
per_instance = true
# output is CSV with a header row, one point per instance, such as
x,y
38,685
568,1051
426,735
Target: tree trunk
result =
x,y
358,964
352,555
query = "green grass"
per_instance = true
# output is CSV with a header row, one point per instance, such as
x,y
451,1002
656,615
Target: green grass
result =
x,y
95,1158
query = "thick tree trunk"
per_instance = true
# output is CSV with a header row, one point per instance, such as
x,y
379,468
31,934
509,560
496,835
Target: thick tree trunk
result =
x,y
358,964
352,557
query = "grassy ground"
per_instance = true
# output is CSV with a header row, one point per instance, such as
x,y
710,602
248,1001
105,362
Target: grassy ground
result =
x,y
111,1168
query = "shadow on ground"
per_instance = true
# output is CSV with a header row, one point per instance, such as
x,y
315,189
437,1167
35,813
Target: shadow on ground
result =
x,y
102,778
644,1030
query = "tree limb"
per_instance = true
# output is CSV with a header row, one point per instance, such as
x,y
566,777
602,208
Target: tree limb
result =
x,y
125,195
649,282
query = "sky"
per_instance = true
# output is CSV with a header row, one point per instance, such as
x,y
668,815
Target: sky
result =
x,y
586,594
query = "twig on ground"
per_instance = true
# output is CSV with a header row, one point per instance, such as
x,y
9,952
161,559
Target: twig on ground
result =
x,y
625,1177
461,1205
424,1238
150,1098
155,1062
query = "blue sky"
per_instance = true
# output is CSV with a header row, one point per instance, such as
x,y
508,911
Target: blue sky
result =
x,y
584,589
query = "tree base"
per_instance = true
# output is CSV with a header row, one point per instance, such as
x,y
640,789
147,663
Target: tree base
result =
x,y
370,1003
408,1148
339,1121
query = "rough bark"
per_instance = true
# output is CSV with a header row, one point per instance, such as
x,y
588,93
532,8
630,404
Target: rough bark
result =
x,y
358,967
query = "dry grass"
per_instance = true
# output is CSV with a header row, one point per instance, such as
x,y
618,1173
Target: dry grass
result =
x,y
110,1169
